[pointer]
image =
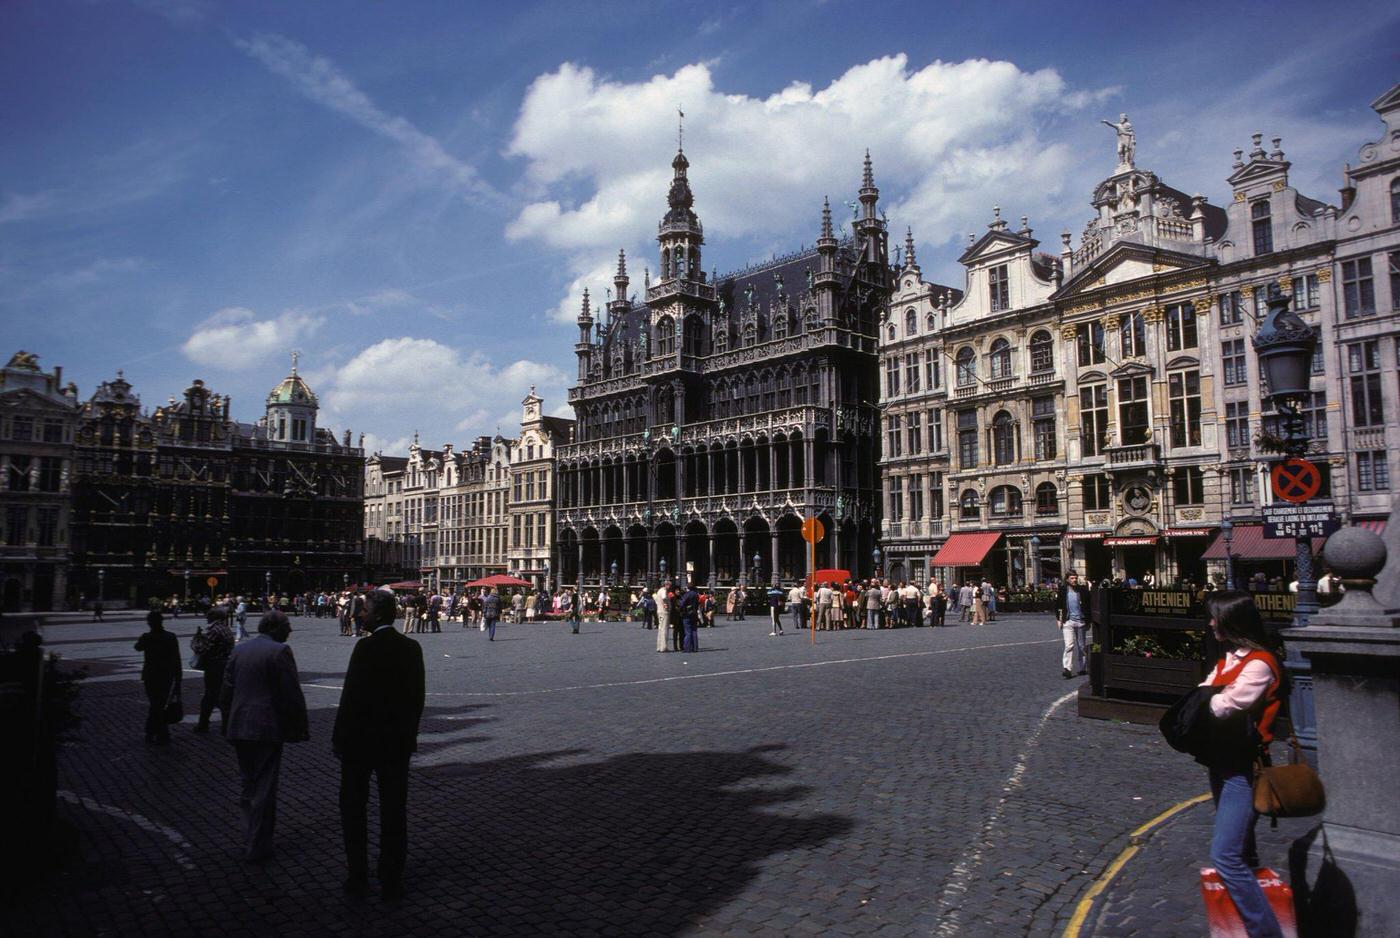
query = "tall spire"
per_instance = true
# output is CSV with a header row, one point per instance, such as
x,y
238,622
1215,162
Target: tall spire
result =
x,y
910,262
869,195
295,353
867,180
620,279
826,218
586,313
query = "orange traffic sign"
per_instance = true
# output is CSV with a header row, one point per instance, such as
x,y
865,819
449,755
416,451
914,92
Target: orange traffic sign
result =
x,y
1295,480
212,581
813,531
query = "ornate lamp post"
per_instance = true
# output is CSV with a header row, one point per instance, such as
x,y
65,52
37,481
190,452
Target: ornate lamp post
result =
x,y
662,566
875,556
187,584
1035,562
1285,346
612,568
548,581
267,582
1227,534
101,585
757,569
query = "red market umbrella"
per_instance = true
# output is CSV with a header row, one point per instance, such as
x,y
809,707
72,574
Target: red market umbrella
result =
x,y
831,576
406,585
500,579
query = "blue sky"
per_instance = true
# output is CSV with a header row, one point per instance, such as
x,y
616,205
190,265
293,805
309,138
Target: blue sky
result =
x,y
414,194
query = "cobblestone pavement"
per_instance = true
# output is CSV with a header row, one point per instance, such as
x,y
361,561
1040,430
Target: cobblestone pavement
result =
x,y
913,781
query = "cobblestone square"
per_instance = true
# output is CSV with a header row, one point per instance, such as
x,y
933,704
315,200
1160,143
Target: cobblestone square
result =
x,y
913,781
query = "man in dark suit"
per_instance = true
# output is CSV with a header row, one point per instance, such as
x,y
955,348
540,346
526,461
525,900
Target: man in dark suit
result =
x,y
376,730
265,706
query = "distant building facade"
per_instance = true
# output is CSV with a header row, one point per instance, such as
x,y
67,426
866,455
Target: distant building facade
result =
x,y
38,418
532,495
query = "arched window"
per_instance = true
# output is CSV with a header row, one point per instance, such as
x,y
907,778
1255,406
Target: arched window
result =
x,y
1042,352
969,508
1395,201
693,328
929,322
1001,359
1047,499
1003,439
665,336
911,322
1263,226
966,366
1006,502
891,332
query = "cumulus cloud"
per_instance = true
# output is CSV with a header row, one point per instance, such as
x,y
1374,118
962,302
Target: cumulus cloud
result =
x,y
320,80
948,140
235,337
447,395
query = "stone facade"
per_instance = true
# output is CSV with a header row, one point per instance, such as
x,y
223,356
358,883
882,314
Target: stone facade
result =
x,y
1102,411
38,417
716,413
532,491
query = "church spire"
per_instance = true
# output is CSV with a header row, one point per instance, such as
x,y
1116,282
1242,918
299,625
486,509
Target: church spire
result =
x,y
869,195
910,262
826,218
620,279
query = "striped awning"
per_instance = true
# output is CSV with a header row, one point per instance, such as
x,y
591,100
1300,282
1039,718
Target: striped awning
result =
x,y
1249,543
965,550
1376,525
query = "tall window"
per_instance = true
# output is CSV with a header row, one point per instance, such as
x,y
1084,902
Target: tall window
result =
x,y
1231,308
665,337
1133,424
932,376
935,431
896,488
1047,499
892,376
1363,364
966,366
1305,292
1131,335
916,497
46,518
911,322
892,438
911,372
1184,392
1043,423
1042,352
967,439
1393,261
1395,201
1262,294
1242,486
1000,289
1358,289
1314,413
1003,439
50,473
1096,492
1005,502
935,495
1236,371
1093,418
1001,359
1181,327
1188,486
1262,225
969,506
915,433
1088,339
1237,424
1372,472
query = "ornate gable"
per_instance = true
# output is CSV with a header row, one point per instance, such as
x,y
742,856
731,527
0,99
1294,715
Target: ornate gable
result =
x,y
1125,262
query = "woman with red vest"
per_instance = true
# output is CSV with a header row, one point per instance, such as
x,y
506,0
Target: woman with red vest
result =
x,y
1251,680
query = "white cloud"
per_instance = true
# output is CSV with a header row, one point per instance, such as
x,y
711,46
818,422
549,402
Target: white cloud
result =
x,y
948,140
405,384
236,338
318,79
390,298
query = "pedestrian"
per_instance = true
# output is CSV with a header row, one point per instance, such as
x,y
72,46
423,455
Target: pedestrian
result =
x,y
569,605
376,731
677,620
648,610
690,619
240,618
872,605
663,617
262,696
729,602
1071,615
97,610
160,675
965,602
940,605
517,607
410,616
211,648
1252,683
979,606
490,612
824,598
776,601
435,613
989,601
796,597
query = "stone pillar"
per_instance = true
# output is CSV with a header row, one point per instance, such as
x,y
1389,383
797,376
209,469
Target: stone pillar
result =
x,y
1345,871
579,571
773,558
626,559
710,543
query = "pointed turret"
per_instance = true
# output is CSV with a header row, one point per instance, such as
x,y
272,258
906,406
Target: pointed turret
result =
x,y
584,347
869,195
870,227
680,233
910,261
620,282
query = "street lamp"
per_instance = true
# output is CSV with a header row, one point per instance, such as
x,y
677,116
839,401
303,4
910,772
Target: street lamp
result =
x,y
875,555
613,568
267,582
101,585
548,580
187,584
1227,534
1035,561
757,568
662,566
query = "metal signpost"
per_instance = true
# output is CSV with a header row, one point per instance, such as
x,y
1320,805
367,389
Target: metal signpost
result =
x,y
812,531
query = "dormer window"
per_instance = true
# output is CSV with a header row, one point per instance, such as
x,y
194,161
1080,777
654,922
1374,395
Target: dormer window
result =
x,y
1262,224
999,288
911,322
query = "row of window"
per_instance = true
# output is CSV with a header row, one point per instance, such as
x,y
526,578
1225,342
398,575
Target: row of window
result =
x,y
24,429
530,530
44,532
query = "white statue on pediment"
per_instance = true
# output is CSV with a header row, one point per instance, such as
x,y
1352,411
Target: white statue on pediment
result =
x,y
1127,140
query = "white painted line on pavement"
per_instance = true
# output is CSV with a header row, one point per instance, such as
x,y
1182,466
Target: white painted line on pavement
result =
x,y
182,846
694,677
950,900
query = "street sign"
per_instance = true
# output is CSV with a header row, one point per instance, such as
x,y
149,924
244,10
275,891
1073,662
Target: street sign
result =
x,y
1285,520
1295,480
212,582
813,531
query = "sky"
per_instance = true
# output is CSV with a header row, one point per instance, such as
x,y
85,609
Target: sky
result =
x,y
413,195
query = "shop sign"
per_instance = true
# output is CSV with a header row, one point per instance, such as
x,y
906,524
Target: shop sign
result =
x,y
1288,520
1129,541
1189,532
1276,607
1139,602
1087,535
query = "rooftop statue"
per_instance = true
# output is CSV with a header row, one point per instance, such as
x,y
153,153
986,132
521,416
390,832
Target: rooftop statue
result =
x,y
1127,140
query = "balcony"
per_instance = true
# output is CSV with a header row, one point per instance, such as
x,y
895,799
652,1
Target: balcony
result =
x,y
1041,379
1134,456
679,287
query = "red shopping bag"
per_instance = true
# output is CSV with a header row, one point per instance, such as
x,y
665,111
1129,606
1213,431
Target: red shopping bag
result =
x,y
1221,915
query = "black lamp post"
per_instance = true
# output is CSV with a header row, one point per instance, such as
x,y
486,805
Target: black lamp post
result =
x,y
1035,562
1227,534
757,569
662,566
613,569
875,556
1285,346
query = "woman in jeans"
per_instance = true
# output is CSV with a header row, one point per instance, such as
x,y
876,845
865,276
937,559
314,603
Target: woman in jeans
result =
x,y
1250,679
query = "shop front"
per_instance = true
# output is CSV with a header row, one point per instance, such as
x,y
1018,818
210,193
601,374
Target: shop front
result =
x,y
1088,557
962,557
1187,547
1253,559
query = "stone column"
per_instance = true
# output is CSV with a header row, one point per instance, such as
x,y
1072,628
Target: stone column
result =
x,y
773,558
710,543
1345,871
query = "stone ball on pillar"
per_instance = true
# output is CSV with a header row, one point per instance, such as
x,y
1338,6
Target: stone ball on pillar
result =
x,y
1354,554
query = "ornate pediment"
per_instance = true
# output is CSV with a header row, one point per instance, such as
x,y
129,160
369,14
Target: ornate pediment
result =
x,y
996,243
1126,262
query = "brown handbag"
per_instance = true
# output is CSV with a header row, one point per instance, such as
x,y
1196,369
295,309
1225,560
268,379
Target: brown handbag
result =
x,y
1292,790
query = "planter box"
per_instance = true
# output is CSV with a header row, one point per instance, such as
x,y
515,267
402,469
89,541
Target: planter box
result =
x,y
1139,678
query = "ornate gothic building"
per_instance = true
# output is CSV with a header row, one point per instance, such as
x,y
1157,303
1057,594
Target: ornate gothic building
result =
x,y
714,414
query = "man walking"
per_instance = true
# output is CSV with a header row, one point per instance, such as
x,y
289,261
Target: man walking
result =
x,y
1071,612
490,611
690,615
824,597
662,596
376,730
262,697
775,610
965,602
797,598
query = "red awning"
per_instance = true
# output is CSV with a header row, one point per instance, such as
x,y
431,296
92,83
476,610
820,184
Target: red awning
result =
x,y
1374,525
965,550
1248,542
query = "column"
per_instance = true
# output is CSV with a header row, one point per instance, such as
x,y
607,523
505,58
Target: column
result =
x,y
626,558
710,543
773,558
579,572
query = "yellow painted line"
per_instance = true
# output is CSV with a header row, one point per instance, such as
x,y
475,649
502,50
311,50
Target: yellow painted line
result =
x,y
1135,841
